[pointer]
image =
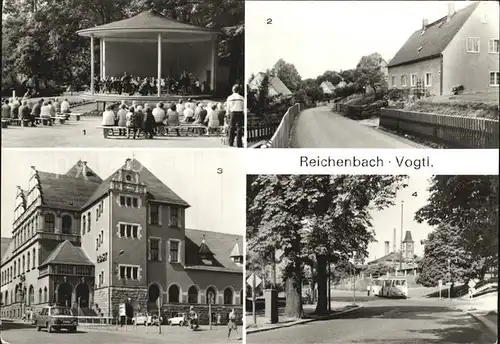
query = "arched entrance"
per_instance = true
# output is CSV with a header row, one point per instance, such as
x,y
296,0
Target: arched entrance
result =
x,y
82,294
63,294
154,293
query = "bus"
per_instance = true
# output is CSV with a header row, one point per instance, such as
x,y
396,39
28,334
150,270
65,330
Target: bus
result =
x,y
394,288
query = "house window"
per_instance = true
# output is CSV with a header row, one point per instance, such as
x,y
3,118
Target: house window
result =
x,y
173,294
193,294
413,80
154,218
135,202
493,46
129,201
494,78
84,224
228,296
174,251
96,214
66,224
174,217
88,221
154,249
122,201
428,79
96,244
393,81
403,80
129,231
49,222
102,237
473,44
33,266
101,278
129,272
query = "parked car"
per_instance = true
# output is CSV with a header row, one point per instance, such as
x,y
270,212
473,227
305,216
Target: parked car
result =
x,y
55,318
180,320
141,319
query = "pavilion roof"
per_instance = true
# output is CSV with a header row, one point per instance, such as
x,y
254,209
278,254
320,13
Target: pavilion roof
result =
x,y
147,21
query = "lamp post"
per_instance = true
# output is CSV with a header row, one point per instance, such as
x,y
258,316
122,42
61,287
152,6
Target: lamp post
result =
x,y
401,240
449,279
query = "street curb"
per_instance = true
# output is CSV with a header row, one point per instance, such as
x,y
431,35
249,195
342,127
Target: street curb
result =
x,y
304,321
491,326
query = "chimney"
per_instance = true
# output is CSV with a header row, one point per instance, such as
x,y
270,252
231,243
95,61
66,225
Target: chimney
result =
x,y
84,169
451,11
128,163
386,248
394,242
425,22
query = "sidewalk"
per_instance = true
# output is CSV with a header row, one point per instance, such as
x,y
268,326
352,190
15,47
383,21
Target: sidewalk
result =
x,y
483,308
338,309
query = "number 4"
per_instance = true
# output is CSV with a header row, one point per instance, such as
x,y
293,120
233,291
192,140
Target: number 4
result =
x,y
414,194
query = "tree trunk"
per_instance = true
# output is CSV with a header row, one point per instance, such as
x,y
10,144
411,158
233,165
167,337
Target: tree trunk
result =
x,y
293,308
322,305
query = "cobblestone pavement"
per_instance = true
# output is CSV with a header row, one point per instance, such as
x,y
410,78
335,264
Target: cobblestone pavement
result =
x,y
386,321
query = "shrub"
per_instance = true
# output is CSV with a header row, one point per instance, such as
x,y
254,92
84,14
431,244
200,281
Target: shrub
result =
x,y
457,89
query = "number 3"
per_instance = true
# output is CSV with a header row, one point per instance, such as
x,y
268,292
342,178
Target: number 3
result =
x,y
269,21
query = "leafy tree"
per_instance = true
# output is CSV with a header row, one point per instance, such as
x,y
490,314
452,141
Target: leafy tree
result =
x,y
331,76
288,74
312,89
314,219
469,205
369,72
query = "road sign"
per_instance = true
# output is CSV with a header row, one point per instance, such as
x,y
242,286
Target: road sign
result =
x,y
122,310
250,280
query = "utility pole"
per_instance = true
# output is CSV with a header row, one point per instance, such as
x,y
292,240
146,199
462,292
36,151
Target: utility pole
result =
x,y
401,240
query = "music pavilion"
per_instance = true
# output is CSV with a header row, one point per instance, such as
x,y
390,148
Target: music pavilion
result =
x,y
93,244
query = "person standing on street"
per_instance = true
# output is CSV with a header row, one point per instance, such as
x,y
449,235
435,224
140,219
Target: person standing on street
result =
x,y
231,324
234,108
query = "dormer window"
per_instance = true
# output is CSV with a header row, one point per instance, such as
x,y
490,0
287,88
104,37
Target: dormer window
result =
x,y
204,253
235,255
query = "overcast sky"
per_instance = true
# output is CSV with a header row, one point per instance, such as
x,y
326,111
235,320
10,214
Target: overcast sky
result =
x,y
217,200
386,220
331,35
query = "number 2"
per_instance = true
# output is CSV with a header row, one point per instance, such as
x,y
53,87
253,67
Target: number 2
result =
x,y
269,21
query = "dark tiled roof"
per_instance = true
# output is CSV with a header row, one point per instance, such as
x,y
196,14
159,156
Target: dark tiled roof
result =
x,y
65,191
408,237
388,257
147,20
78,169
157,191
436,38
220,244
66,253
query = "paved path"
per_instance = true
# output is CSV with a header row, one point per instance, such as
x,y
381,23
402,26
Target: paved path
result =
x,y
169,335
71,134
386,321
321,128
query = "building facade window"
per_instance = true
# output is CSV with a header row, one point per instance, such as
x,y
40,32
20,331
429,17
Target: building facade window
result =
x,y
45,294
129,272
15,269
28,261
393,81
154,214
40,300
493,46
89,221
66,224
24,265
84,224
494,76
414,80
154,249
228,296
174,251
403,80
473,44
174,217
128,230
193,294
49,222
33,265
129,201
173,294
428,79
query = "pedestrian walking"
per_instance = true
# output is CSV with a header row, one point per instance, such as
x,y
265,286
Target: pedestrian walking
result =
x,y
231,324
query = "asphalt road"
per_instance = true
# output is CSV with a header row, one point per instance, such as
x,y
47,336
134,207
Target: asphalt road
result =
x,y
321,128
174,335
386,321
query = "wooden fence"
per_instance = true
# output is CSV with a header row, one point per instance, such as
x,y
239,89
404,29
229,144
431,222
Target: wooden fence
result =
x,y
455,131
281,137
358,111
259,130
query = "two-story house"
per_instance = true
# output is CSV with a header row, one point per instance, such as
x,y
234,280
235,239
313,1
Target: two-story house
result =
x,y
460,48
94,244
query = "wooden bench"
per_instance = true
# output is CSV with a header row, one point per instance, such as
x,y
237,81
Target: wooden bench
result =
x,y
5,123
183,129
18,122
44,121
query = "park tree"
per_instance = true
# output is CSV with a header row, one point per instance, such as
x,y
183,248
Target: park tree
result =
x,y
331,76
318,219
469,206
288,74
312,89
369,72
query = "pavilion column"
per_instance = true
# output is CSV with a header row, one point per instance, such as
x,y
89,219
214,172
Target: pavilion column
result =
x,y
159,63
213,82
92,88
103,57
101,43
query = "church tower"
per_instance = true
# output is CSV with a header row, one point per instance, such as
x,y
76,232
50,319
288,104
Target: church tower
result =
x,y
408,246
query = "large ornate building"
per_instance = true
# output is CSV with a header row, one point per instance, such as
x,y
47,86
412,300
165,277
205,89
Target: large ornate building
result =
x,y
93,244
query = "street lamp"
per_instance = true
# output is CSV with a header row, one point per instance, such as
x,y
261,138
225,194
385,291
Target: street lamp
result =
x,y
401,240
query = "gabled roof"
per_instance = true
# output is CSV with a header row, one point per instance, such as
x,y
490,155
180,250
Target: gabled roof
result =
x,y
275,84
144,21
393,256
157,191
235,252
408,237
67,191
220,244
66,253
434,40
